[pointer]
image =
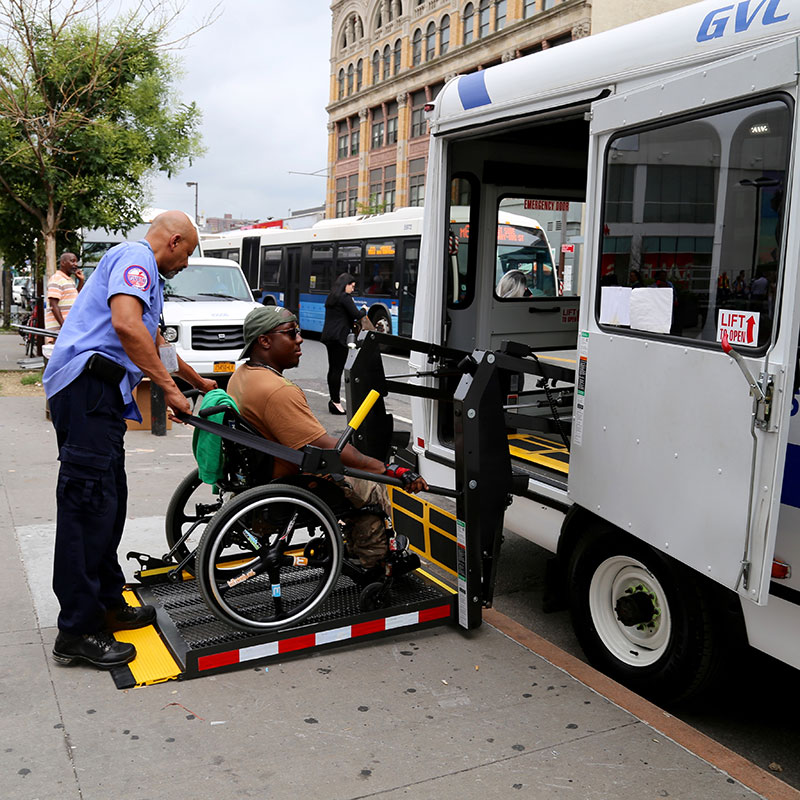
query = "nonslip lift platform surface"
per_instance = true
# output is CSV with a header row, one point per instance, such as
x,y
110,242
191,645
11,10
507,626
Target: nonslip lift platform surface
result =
x,y
194,643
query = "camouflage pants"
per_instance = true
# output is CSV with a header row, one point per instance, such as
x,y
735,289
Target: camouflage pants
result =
x,y
366,535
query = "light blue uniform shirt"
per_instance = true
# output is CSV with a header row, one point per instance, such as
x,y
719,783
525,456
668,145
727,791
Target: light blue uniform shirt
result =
x,y
129,268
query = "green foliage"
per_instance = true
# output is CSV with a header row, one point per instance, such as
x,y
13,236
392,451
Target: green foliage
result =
x,y
87,113
372,206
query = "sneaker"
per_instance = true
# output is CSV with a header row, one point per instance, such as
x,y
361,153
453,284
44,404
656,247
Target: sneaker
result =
x,y
101,650
126,618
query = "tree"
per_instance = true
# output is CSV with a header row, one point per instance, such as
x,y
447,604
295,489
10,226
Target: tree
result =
x,y
371,206
86,113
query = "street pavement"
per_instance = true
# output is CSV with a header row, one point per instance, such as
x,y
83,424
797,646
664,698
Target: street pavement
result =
x,y
439,714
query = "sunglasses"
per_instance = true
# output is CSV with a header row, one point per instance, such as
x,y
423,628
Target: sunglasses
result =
x,y
292,333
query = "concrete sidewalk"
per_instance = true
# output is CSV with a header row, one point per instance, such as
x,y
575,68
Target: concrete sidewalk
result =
x,y
438,714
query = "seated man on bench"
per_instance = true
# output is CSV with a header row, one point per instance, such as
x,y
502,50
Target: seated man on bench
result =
x,y
279,410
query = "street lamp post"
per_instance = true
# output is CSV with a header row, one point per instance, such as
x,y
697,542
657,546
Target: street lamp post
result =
x,y
196,217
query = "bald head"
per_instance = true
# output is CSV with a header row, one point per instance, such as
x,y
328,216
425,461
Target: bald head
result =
x,y
173,238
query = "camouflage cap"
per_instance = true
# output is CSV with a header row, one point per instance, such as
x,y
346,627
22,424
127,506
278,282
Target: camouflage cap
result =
x,y
262,320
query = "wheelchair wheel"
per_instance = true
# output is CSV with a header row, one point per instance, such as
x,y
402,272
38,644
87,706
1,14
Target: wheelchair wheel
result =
x,y
281,549
190,509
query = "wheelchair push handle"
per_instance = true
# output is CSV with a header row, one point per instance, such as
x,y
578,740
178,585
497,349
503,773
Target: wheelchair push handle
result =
x,y
357,419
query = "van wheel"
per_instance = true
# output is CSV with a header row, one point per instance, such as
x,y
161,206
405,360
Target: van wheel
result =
x,y
643,618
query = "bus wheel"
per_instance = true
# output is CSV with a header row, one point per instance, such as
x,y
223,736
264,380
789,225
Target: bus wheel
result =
x,y
643,618
382,322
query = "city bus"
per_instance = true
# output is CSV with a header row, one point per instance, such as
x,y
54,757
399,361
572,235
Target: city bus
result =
x,y
296,268
668,491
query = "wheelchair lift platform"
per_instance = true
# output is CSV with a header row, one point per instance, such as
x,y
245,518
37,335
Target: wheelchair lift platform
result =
x,y
190,642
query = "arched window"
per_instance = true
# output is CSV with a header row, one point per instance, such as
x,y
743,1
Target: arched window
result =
x,y
416,47
340,82
469,13
444,35
344,39
359,74
500,18
430,41
376,67
398,56
387,62
484,15
350,73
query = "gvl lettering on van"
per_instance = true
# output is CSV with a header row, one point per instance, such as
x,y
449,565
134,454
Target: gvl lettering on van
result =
x,y
713,26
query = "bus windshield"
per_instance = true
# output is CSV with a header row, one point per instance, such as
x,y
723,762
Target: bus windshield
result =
x,y
218,282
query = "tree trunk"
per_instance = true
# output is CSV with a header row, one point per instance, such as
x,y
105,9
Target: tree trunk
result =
x,y
49,252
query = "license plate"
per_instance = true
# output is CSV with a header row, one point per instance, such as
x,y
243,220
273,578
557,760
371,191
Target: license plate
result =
x,y
224,366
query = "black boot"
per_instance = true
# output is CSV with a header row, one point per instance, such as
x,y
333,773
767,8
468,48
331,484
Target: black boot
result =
x,y
101,650
127,618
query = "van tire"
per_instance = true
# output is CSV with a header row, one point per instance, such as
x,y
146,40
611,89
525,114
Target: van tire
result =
x,y
670,656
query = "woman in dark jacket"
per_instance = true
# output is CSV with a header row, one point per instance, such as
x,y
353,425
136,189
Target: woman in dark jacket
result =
x,y
340,314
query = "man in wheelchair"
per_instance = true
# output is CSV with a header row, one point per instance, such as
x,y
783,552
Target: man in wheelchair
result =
x,y
279,410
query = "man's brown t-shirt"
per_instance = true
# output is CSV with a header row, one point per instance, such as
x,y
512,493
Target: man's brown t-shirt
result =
x,y
277,407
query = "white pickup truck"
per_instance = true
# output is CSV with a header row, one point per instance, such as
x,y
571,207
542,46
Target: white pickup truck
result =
x,y
204,310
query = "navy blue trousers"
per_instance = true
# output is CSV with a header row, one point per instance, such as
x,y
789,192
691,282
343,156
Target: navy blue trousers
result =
x,y
91,496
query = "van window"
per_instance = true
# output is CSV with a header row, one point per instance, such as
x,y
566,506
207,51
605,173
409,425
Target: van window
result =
x,y
208,283
695,208
524,266
461,251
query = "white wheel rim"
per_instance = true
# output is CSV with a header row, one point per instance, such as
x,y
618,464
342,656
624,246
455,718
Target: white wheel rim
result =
x,y
635,645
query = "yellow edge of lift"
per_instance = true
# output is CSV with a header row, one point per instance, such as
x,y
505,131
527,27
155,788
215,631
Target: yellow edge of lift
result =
x,y
153,663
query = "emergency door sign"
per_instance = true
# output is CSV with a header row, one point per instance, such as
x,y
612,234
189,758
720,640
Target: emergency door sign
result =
x,y
741,327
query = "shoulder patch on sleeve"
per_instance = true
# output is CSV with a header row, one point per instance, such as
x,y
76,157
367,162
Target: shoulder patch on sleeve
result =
x,y
137,277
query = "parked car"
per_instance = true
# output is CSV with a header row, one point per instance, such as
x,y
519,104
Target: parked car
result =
x,y
21,291
204,310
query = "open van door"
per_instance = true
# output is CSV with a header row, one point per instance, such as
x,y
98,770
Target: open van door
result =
x,y
691,191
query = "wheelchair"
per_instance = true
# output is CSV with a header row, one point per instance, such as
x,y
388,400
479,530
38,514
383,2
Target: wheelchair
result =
x,y
267,553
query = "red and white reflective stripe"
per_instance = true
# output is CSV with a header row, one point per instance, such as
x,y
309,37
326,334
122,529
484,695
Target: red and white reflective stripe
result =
x,y
342,634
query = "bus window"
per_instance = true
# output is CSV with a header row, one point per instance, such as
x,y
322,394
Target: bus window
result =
x,y
379,271
348,259
408,281
270,267
320,276
524,263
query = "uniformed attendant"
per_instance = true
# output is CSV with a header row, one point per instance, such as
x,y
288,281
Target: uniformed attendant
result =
x,y
109,340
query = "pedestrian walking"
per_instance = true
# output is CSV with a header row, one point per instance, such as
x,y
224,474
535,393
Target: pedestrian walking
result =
x,y
340,315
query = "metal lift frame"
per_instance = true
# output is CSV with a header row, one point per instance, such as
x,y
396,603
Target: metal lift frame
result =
x,y
485,481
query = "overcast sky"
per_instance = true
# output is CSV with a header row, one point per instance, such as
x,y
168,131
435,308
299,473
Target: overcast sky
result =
x,y
260,76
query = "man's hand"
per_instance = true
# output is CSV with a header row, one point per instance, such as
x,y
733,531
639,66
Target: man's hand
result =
x,y
175,401
412,482
79,275
205,385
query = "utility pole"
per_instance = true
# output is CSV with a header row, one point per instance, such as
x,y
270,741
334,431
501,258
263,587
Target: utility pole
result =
x,y
196,217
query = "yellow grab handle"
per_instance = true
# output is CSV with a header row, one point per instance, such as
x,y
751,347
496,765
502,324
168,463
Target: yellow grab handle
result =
x,y
364,409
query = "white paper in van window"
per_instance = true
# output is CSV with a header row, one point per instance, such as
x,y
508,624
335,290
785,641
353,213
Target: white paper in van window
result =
x,y
651,309
615,305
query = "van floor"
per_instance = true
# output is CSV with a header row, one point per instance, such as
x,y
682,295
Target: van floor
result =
x,y
540,455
